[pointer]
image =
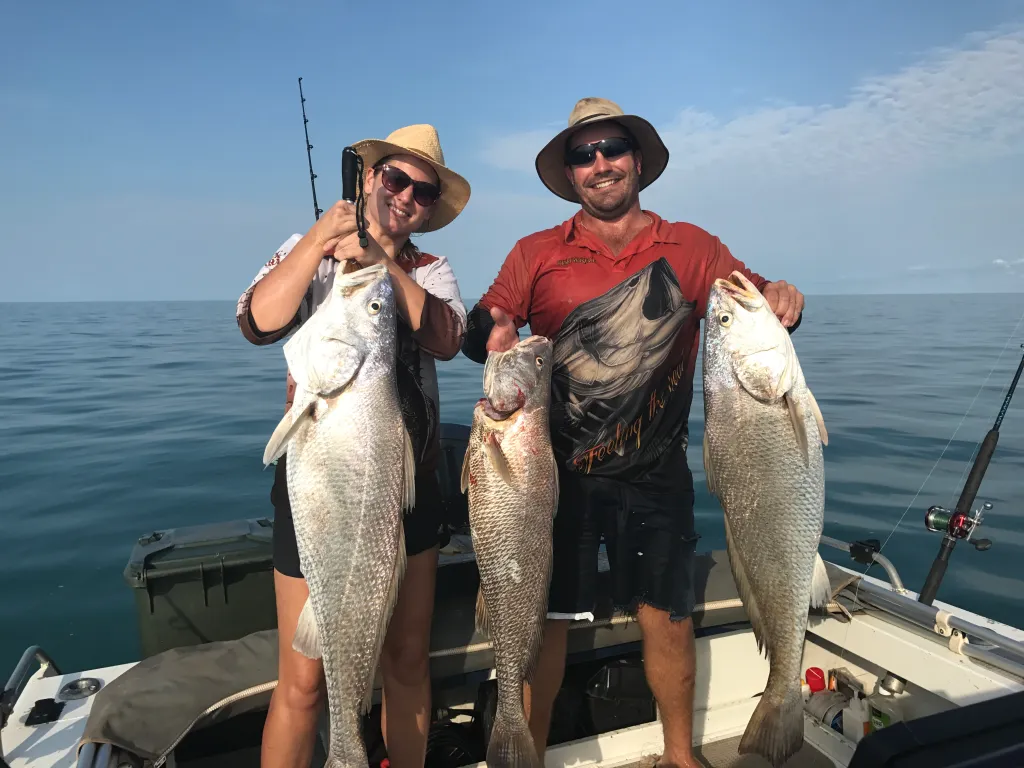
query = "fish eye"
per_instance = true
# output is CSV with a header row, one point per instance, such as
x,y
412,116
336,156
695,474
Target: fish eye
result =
x,y
540,362
374,306
725,319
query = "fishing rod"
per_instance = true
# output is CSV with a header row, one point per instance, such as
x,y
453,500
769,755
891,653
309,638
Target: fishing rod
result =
x,y
351,173
960,523
309,156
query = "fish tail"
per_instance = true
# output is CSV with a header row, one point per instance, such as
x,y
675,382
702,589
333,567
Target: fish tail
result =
x,y
776,729
353,756
511,744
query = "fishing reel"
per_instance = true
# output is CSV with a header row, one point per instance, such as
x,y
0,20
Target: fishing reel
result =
x,y
957,525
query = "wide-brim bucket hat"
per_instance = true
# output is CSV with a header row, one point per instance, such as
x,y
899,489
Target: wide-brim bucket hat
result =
x,y
423,142
550,161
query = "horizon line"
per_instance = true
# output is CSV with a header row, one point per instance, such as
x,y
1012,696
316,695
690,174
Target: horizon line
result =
x,y
469,302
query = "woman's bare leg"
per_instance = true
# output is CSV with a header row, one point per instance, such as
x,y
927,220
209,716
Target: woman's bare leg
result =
x,y
405,665
289,735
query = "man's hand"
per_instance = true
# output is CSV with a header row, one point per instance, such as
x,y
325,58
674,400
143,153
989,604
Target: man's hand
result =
x,y
785,300
503,335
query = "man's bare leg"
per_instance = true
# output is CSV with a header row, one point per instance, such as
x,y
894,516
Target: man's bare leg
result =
x,y
670,663
539,699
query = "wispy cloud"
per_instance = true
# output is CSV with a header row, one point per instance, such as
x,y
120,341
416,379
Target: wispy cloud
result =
x,y
957,105
1014,267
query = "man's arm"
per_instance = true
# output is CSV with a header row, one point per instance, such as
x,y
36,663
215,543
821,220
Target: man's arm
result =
x,y
494,322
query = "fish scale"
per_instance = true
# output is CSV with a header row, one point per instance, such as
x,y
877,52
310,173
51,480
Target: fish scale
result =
x,y
350,469
510,478
763,460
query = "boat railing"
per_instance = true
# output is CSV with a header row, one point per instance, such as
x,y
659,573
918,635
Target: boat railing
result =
x,y
865,552
962,636
20,677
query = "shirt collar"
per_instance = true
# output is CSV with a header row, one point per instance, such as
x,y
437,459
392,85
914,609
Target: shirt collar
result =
x,y
658,231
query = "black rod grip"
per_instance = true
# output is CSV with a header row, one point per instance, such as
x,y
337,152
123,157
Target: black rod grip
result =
x,y
349,174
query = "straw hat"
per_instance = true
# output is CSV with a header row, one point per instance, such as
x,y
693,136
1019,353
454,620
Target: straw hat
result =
x,y
550,161
423,142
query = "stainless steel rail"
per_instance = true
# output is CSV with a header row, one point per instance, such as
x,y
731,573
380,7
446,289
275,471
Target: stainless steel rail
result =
x,y
1001,652
882,560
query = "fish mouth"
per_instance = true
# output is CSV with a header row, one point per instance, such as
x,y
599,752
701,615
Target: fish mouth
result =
x,y
533,341
497,414
741,290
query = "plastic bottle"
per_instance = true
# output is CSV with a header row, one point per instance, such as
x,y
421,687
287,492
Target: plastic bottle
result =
x,y
884,710
856,718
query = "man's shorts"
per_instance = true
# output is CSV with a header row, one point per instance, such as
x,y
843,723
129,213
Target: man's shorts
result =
x,y
648,531
423,524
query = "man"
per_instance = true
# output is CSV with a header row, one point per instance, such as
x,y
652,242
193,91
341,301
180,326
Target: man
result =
x,y
621,292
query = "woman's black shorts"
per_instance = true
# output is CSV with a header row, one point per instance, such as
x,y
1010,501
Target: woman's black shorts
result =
x,y
424,524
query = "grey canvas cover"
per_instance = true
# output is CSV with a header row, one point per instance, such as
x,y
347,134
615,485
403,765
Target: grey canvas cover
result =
x,y
149,708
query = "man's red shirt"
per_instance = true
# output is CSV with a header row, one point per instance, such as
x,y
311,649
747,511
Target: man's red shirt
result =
x,y
626,330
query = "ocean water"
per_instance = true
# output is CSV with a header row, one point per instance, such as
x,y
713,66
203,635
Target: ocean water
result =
x,y
120,419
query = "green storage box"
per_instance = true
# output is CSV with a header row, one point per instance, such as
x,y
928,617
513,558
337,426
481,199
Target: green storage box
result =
x,y
203,583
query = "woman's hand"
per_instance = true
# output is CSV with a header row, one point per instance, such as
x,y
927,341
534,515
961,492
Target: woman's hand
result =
x,y
336,223
335,233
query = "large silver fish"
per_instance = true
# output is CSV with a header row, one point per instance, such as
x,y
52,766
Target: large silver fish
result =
x,y
763,459
350,474
511,480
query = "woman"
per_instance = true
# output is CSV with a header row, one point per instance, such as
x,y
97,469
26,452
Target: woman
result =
x,y
407,189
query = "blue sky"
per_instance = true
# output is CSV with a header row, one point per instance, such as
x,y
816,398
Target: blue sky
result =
x,y
155,151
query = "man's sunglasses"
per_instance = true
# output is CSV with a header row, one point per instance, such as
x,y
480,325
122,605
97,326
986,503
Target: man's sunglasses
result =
x,y
395,180
584,154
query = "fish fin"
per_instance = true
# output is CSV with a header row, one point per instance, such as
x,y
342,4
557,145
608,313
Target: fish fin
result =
x,y
558,490
385,617
409,474
307,636
775,731
493,452
483,621
821,587
743,586
464,479
796,416
533,654
709,473
510,743
822,432
294,418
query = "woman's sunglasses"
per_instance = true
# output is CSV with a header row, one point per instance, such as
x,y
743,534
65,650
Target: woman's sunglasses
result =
x,y
584,154
395,180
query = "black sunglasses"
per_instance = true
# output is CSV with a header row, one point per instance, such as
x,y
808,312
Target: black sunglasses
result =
x,y
584,154
395,180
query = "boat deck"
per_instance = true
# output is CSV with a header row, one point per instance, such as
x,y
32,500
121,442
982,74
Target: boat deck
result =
x,y
723,754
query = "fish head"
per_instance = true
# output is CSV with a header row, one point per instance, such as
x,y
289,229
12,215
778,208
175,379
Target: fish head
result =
x,y
353,332
518,378
366,296
745,343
